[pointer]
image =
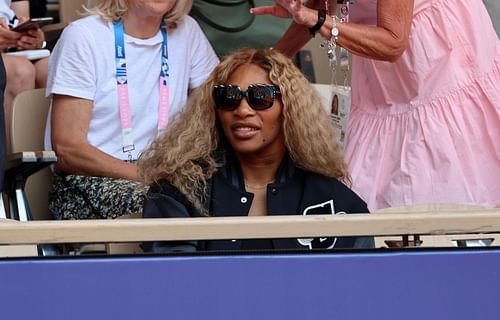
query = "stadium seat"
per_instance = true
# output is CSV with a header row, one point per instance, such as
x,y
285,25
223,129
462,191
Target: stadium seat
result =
x,y
27,174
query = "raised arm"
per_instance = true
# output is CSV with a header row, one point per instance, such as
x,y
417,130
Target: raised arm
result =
x,y
385,41
297,34
70,124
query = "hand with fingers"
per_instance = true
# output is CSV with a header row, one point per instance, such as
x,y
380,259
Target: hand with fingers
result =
x,y
31,39
292,9
8,38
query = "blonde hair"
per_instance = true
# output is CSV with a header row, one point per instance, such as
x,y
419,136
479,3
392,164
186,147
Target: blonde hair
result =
x,y
185,155
115,9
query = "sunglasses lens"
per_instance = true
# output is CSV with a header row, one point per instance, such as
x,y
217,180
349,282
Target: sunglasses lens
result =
x,y
261,97
227,97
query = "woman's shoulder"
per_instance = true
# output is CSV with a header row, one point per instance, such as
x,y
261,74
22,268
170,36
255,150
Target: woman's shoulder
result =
x,y
317,178
89,33
92,24
188,26
341,192
163,187
93,21
187,22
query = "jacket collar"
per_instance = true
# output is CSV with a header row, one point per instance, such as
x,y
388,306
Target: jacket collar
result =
x,y
231,170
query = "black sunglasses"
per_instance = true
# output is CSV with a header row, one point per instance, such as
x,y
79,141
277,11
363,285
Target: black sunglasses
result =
x,y
259,96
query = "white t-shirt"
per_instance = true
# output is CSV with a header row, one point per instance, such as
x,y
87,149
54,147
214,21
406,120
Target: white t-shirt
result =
x,y
83,65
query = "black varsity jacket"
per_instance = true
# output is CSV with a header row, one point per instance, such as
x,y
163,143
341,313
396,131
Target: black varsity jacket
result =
x,y
295,191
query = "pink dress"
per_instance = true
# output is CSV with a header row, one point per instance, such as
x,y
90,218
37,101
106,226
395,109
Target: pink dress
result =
x,y
426,129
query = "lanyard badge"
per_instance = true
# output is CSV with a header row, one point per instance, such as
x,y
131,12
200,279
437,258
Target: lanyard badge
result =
x,y
339,59
122,88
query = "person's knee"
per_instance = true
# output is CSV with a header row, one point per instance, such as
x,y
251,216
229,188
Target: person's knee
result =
x,y
20,74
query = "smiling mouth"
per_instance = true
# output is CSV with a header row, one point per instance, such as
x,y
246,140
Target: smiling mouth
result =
x,y
245,132
245,129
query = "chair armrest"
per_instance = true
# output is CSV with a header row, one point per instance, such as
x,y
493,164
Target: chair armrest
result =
x,y
46,156
18,158
26,163
19,167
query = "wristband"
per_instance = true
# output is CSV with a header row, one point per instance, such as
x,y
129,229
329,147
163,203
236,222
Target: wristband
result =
x,y
319,24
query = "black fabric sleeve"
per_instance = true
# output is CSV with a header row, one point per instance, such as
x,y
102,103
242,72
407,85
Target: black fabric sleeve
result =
x,y
160,203
166,202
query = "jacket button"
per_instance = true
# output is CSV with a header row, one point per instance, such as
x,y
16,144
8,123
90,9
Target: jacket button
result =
x,y
244,200
274,191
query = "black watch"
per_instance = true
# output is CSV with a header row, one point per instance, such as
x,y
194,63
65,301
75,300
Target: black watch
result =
x,y
319,24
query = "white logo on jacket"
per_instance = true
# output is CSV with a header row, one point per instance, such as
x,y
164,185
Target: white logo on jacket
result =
x,y
324,243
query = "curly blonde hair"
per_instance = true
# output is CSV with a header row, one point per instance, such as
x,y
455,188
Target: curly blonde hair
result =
x,y
113,10
185,155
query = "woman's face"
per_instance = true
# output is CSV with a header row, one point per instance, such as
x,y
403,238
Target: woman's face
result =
x,y
250,131
335,105
155,8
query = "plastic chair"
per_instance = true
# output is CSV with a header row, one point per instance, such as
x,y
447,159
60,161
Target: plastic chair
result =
x,y
27,176
28,159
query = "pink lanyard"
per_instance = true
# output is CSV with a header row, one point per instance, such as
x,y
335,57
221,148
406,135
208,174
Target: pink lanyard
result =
x,y
122,87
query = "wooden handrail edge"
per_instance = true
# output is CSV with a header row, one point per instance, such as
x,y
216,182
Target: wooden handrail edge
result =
x,y
295,226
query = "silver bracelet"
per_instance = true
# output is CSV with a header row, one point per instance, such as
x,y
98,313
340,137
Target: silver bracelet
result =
x,y
330,45
335,30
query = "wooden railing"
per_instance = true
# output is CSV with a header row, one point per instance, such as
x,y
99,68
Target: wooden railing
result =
x,y
136,230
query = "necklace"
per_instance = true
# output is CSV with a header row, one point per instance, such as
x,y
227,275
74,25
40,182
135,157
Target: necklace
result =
x,y
259,187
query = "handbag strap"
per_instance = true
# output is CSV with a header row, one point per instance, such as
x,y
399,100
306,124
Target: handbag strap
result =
x,y
198,14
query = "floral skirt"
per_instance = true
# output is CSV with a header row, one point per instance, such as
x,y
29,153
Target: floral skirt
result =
x,y
83,197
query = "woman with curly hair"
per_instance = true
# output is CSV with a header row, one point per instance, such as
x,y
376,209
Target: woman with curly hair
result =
x,y
253,140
